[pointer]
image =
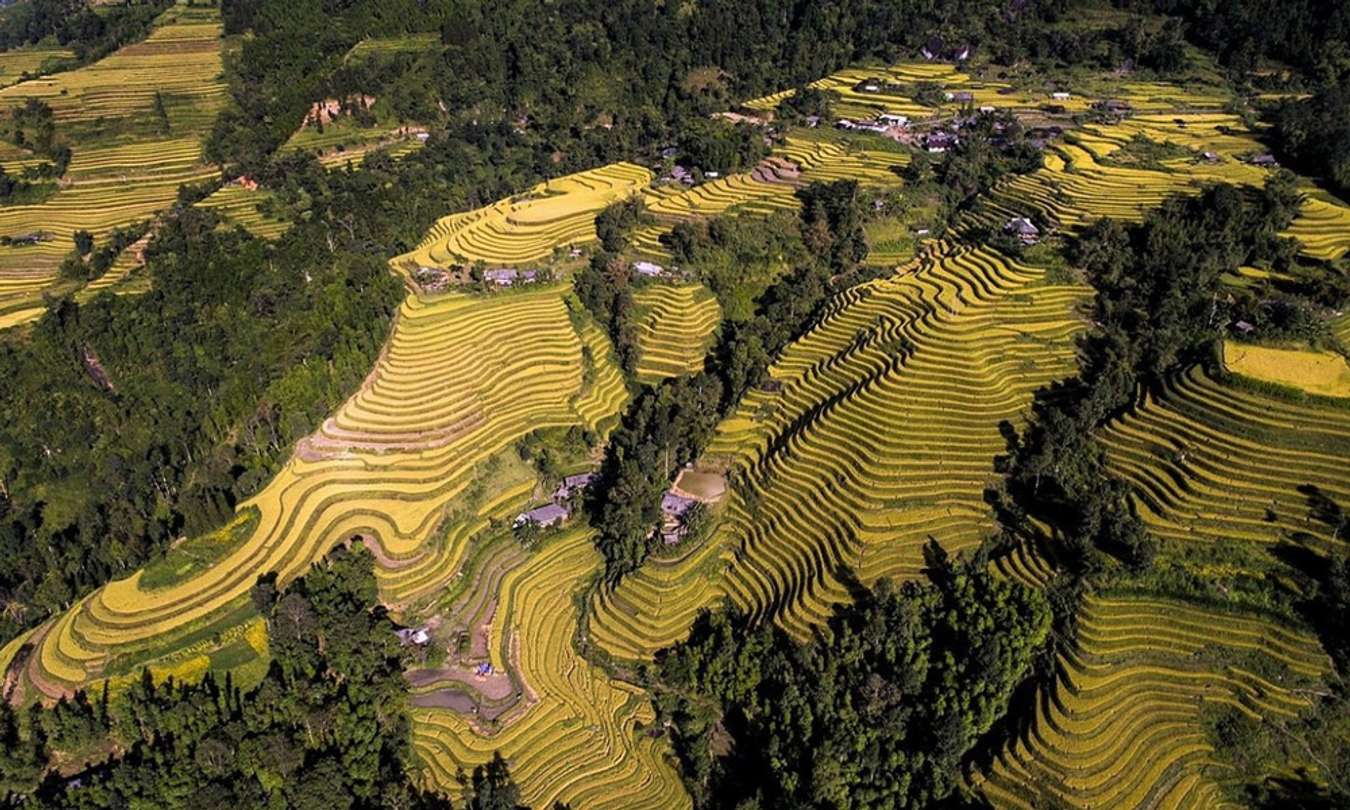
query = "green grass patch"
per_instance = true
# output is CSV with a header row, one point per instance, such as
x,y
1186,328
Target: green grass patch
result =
x,y
191,557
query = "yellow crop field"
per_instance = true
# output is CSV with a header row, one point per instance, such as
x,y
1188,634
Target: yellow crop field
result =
x,y
1323,373
461,379
115,180
530,226
239,206
1121,726
1210,461
31,59
575,736
919,369
675,330
878,430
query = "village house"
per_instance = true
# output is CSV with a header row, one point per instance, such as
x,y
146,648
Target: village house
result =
x,y
543,516
573,483
674,508
1114,106
1265,159
1024,229
414,635
937,49
844,123
649,269
892,119
509,276
1059,95
960,97
938,142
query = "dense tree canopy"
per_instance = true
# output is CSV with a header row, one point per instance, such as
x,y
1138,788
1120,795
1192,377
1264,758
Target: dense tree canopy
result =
x,y
879,714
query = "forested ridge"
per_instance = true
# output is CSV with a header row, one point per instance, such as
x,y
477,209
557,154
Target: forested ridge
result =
x,y
160,413
90,34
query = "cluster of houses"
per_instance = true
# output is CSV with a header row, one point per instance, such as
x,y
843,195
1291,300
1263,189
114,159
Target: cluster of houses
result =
x,y
509,276
558,511
326,111
884,124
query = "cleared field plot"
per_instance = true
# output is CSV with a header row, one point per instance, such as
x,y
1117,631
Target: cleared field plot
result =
x,y
31,59
530,226
239,206
461,379
1324,373
575,736
409,43
1122,728
675,330
880,432
1211,461
344,141
120,178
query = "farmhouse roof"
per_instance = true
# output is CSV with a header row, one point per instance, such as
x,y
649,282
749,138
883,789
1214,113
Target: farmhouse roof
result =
x,y
648,269
939,140
676,505
573,483
547,515
506,276
413,635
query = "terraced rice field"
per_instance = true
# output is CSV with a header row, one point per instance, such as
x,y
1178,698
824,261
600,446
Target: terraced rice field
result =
x,y
1323,226
461,379
530,226
344,141
1075,187
120,179
31,59
826,159
1322,373
238,206
1210,461
575,736
764,190
408,43
880,431
1122,725
676,329
739,193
